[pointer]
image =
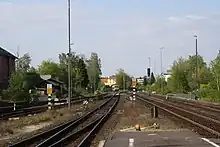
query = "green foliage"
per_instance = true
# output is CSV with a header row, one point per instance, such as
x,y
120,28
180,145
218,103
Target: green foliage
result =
x,y
123,80
79,76
23,63
152,78
16,91
107,88
183,78
49,68
145,81
94,71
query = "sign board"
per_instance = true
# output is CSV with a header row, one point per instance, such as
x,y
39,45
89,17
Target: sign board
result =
x,y
49,89
134,83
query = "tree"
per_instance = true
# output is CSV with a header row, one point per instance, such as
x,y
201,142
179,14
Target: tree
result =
x,y
145,81
49,68
215,67
79,76
23,63
94,70
152,78
123,80
178,81
16,91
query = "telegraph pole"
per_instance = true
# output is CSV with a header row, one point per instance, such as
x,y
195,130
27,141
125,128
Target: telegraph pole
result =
x,y
161,67
124,81
69,64
197,81
149,58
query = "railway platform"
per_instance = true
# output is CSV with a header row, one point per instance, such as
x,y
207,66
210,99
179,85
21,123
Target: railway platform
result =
x,y
183,138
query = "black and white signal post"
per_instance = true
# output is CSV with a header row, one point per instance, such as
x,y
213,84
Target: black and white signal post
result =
x,y
134,90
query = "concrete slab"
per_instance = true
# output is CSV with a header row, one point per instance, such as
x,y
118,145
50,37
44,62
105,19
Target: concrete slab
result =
x,y
160,139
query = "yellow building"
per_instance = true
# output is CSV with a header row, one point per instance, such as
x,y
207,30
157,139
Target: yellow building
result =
x,y
108,80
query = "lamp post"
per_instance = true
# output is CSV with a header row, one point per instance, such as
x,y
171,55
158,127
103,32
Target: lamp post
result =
x,y
149,59
161,67
70,65
197,82
69,62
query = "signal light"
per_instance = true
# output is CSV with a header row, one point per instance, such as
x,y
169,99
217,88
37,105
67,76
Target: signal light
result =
x,y
148,72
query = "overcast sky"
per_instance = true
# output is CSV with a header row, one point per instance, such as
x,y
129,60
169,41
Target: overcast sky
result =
x,y
124,33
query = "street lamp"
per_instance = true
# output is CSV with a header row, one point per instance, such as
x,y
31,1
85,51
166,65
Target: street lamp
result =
x,y
197,84
161,67
71,82
69,64
149,58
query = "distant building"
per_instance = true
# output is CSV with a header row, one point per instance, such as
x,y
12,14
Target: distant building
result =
x,y
7,66
108,80
140,80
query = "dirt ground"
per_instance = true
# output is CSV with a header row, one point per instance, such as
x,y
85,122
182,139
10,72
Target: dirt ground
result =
x,y
127,114
15,130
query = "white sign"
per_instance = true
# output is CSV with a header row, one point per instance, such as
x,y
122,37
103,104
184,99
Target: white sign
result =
x,y
49,86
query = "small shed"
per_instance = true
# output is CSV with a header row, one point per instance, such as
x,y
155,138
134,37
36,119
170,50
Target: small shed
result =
x,y
57,86
7,66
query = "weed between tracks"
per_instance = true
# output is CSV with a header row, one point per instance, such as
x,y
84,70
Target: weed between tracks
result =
x,y
14,130
127,115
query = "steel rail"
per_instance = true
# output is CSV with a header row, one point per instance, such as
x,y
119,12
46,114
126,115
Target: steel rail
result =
x,y
86,141
75,129
210,125
39,137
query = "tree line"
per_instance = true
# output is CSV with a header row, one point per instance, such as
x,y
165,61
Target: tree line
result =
x,y
183,79
85,75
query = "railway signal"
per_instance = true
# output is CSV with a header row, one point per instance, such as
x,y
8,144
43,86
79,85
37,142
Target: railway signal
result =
x,y
134,89
148,72
49,92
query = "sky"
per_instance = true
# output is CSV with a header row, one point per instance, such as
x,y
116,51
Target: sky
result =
x,y
124,33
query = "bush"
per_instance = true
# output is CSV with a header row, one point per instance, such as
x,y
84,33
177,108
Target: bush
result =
x,y
16,96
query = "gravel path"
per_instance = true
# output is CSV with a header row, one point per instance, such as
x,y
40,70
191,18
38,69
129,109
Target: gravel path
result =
x,y
128,114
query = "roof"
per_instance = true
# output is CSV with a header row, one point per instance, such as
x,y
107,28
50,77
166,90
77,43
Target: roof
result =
x,y
3,52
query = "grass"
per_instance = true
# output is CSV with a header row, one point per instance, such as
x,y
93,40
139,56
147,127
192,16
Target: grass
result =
x,y
10,127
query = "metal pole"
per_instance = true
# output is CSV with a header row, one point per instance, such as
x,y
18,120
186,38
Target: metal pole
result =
x,y
149,62
154,66
124,81
197,80
69,64
161,67
149,65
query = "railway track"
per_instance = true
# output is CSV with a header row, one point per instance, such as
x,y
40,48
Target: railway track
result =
x,y
38,109
202,122
32,110
191,101
78,132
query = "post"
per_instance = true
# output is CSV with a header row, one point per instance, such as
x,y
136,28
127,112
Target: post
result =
x,y
49,102
49,92
124,81
14,108
161,68
149,62
69,68
134,94
131,142
154,112
197,81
